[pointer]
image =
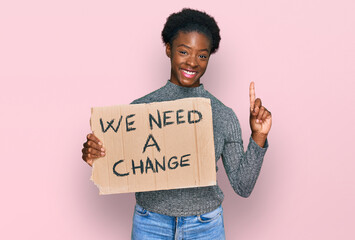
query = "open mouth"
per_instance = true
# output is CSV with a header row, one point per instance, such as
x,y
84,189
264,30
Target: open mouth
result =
x,y
188,74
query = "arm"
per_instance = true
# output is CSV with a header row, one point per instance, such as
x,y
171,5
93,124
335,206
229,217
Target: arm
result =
x,y
242,168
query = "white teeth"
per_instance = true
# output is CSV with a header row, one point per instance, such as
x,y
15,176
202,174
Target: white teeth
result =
x,y
188,72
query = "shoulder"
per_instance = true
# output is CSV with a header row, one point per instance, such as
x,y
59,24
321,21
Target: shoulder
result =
x,y
220,109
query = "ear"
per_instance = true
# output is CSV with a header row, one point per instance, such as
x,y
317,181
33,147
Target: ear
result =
x,y
168,50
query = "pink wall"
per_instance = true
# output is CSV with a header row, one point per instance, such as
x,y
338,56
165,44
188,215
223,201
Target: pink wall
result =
x,y
59,58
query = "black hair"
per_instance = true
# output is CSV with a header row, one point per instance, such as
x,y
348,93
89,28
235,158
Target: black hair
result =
x,y
190,20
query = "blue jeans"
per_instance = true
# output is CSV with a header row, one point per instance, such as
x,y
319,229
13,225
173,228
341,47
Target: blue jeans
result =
x,y
149,225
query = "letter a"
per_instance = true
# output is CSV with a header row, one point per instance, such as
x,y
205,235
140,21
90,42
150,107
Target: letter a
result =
x,y
150,145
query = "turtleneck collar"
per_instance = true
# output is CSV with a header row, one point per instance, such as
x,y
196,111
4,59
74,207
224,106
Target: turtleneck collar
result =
x,y
184,90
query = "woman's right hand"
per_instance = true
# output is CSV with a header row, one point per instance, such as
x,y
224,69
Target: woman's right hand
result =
x,y
92,149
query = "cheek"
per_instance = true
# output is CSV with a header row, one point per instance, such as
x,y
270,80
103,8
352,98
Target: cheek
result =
x,y
204,65
176,63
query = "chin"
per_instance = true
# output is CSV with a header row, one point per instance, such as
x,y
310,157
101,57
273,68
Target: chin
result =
x,y
188,83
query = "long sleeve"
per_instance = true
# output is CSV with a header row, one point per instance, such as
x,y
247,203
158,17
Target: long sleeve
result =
x,y
242,168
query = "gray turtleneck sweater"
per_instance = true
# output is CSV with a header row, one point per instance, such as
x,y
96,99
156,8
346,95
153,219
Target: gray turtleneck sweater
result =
x,y
242,168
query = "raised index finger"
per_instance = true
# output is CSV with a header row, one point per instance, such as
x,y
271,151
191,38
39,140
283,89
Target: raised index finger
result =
x,y
252,96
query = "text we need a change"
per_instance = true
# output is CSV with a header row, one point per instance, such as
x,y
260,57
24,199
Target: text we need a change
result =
x,y
146,142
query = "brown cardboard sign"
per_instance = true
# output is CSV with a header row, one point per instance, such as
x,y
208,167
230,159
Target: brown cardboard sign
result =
x,y
154,146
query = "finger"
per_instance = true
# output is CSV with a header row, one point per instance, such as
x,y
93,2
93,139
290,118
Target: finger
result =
x,y
85,157
92,144
252,96
257,106
258,103
260,113
88,156
90,150
93,152
265,115
93,138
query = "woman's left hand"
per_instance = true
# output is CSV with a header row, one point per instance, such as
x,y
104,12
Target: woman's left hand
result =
x,y
260,117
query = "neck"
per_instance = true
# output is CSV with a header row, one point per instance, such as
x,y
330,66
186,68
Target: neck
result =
x,y
184,90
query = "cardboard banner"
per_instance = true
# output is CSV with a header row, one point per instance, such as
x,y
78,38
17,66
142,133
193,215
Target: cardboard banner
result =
x,y
154,146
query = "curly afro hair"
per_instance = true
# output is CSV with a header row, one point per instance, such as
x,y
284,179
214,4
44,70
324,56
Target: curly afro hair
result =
x,y
190,20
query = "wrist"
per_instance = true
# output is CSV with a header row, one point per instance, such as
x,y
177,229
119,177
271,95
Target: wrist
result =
x,y
259,138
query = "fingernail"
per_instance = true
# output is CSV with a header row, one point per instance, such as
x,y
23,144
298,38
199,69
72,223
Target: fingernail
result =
x,y
100,143
102,150
102,154
257,120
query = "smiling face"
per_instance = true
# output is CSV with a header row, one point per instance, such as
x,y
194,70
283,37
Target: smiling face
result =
x,y
189,55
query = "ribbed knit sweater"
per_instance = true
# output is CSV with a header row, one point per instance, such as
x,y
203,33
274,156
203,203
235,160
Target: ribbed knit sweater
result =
x,y
242,168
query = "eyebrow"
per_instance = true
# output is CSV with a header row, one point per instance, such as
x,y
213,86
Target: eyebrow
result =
x,y
205,49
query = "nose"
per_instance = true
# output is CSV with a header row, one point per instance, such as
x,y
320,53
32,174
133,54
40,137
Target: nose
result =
x,y
191,61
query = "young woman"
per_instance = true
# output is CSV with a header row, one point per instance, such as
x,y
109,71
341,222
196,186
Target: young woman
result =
x,y
191,37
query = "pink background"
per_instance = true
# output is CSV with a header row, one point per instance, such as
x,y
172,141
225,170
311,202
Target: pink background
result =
x,y
59,58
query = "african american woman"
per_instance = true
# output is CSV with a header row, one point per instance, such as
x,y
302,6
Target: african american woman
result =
x,y
190,38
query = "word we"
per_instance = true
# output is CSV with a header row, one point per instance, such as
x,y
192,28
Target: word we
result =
x,y
160,120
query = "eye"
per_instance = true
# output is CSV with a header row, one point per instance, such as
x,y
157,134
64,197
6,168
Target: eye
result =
x,y
183,52
203,56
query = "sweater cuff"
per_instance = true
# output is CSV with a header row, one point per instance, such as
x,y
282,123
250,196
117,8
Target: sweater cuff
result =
x,y
256,147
